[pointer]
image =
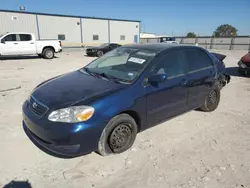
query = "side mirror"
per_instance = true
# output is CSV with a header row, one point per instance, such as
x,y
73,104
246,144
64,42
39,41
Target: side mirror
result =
x,y
157,78
3,41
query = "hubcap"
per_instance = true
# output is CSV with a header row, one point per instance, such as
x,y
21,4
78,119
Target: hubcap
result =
x,y
120,137
100,53
212,97
49,54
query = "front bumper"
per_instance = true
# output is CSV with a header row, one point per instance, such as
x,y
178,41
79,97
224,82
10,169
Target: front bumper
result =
x,y
91,53
53,149
61,139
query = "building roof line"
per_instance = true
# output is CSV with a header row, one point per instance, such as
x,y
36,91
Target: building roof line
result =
x,y
64,15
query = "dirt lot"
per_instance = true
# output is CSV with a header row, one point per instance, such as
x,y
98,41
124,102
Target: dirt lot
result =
x,y
197,149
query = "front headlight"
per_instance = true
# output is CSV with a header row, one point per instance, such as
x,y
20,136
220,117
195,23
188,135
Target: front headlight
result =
x,y
72,114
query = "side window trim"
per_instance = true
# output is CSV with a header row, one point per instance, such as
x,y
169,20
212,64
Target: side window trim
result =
x,y
18,38
190,72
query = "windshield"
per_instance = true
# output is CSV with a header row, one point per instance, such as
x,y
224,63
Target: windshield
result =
x,y
124,64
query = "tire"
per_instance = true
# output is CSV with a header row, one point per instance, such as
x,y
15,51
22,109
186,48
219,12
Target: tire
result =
x,y
212,100
99,53
118,135
48,53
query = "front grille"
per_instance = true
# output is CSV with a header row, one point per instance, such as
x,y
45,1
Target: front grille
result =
x,y
37,108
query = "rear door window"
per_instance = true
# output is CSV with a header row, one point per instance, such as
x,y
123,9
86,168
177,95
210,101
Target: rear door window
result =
x,y
10,38
25,37
197,60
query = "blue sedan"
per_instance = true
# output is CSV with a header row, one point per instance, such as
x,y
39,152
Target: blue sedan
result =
x,y
102,106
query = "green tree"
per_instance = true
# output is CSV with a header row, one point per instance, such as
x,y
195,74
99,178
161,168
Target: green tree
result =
x,y
225,30
191,35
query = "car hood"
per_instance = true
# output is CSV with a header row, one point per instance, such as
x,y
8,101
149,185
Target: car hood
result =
x,y
246,58
73,88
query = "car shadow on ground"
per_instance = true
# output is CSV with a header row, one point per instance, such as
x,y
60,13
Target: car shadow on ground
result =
x,y
234,71
20,57
18,184
89,55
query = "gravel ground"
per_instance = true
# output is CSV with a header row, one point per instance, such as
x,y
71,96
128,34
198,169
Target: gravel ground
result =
x,y
197,149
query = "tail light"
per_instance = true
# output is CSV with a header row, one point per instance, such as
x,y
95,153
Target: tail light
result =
x,y
60,43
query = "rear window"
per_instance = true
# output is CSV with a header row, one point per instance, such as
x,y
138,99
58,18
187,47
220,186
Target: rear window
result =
x,y
197,60
25,37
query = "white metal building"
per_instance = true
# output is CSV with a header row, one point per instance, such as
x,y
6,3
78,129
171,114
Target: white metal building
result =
x,y
72,30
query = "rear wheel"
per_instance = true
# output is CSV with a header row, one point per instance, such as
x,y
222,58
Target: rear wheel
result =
x,y
100,53
48,53
212,100
118,135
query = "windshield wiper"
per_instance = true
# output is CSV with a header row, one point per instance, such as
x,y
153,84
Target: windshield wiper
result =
x,y
86,69
106,76
114,79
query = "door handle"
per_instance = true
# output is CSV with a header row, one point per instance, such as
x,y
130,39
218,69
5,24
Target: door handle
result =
x,y
15,43
32,43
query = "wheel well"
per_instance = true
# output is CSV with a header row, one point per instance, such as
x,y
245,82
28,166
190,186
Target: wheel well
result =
x,y
135,116
49,47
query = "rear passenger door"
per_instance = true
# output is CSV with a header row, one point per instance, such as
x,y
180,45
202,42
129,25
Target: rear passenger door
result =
x,y
26,44
201,76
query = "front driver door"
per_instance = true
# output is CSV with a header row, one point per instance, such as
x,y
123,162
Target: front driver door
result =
x,y
167,99
10,45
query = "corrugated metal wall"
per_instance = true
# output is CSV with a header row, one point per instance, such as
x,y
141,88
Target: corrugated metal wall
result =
x,y
78,31
127,29
17,22
52,26
92,27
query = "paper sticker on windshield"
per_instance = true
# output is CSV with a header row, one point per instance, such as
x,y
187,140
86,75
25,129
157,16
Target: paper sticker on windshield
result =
x,y
136,60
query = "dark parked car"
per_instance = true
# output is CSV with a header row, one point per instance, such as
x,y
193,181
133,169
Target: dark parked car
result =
x,y
244,64
103,106
100,50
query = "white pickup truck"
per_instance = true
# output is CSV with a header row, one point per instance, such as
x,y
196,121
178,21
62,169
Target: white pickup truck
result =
x,y
20,43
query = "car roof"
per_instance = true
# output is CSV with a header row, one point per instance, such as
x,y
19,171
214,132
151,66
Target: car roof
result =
x,y
17,33
158,47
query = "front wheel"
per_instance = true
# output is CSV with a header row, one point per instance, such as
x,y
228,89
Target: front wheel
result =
x,y
118,135
212,100
100,53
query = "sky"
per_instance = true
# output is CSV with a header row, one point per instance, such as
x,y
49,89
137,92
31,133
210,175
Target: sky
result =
x,y
169,17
